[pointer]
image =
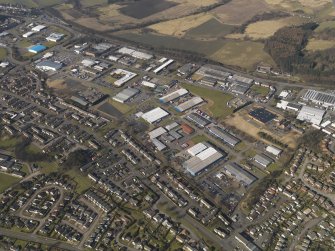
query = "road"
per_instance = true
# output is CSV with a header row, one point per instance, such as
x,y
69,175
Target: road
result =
x,y
39,239
310,224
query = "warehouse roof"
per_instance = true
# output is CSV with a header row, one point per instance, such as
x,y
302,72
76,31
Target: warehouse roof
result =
x,y
189,104
156,132
126,94
311,114
173,95
202,156
197,119
155,115
263,160
49,65
239,173
37,48
224,135
273,150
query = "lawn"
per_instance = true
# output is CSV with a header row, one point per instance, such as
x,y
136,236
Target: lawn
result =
x,y
24,43
217,100
200,138
48,167
83,182
123,108
32,149
7,181
261,90
9,143
3,53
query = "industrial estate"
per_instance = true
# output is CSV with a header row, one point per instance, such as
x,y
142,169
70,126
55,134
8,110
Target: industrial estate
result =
x,y
106,145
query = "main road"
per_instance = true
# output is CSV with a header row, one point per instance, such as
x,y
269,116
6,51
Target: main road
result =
x,y
39,239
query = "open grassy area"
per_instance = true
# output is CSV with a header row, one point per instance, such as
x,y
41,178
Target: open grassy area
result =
x,y
200,138
123,108
7,181
211,28
9,143
33,149
216,100
24,43
83,182
261,90
3,53
244,54
48,167
319,45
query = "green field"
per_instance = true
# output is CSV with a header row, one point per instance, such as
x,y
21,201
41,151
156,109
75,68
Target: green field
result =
x,y
261,90
34,3
216,100
200,138
244,54
6,181
325,25
123,108
48,167
201,47
83,182
9,143
3,53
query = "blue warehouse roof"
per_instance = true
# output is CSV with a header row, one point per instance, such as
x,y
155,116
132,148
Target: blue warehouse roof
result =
x,y
37,48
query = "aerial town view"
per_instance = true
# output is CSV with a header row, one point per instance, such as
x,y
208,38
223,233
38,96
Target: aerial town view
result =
x,y
167,125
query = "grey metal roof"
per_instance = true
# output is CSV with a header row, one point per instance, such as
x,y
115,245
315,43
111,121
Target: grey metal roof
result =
x,y
239,173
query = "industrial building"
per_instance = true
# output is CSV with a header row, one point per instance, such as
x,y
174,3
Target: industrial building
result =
x,y
188,69
241,79
163,66
237,172
28,34
38,28
125,76
213,71
311,115
223,135
275,151
49,66
189,104
262,115
240,87
148,84
202,156
157,132
37,48
198,120
263,160
173,95
158,144
155,115
135,53
55,37
126,94
324,99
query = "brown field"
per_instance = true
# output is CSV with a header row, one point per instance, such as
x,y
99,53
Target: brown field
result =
x,y
319,45
265,29
245,54
249,126
178,27
238,12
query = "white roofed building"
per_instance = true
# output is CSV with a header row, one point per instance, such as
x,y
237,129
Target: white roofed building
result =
x,y
155,115
311,114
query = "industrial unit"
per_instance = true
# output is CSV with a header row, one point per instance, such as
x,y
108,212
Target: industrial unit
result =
x,y
37,48
223,135
49,66
238,173
173,95
311,114
126,76
202,156
155,115
126,94
189,104
321,98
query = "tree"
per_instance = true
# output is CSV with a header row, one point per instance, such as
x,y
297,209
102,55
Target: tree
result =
x,y
77,159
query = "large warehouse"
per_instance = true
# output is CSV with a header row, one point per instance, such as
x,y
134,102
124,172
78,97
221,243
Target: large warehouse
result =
x,y
236,171
311,114
321,98
189,104
223,135
37,48
123,76
202,156
126,94
155,115
173,95
49,66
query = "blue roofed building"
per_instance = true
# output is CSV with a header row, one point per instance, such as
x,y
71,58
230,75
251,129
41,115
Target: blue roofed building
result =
x,y
37,48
